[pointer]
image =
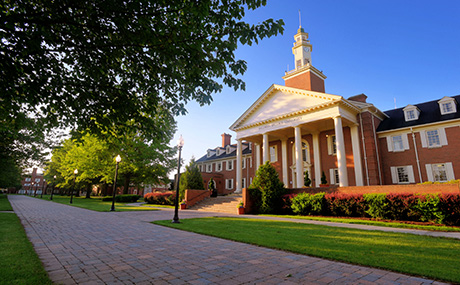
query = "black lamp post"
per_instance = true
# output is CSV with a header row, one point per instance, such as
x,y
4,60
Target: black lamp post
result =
x,y
75,172
117,159
180,144
52,191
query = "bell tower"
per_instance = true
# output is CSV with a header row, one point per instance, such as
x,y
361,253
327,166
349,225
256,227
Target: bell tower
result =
x,y
305,75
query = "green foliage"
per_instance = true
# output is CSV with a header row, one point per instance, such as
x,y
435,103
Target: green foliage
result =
x,y
377,205
306,179
323,178
126,198
271,188
190,179
429,207
108,66
160,198
309,204
211,184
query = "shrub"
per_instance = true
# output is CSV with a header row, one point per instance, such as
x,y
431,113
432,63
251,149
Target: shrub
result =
x,y
126,198
450,207
306,179
256,198
345,205
308,204
271,188
166,198
377,205
401,207
190,179
429,208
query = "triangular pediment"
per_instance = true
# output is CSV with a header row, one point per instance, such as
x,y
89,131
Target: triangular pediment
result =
x,y
281,101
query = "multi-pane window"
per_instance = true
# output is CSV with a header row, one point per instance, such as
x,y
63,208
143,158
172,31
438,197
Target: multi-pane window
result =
x,y
447,108
403,175
411,115
332,145
219,166
243,184
37,179
209,167
243,163
439,172
229,164
336,176
433,138
305,154
273,154
28,179
398,143
229,183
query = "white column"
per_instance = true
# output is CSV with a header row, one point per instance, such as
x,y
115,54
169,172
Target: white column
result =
x,y
317,159
257,155
266,153
298,155
341,156
284,161
357,155
239,156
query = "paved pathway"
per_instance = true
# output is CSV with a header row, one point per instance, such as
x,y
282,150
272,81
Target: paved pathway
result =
x,y
79,246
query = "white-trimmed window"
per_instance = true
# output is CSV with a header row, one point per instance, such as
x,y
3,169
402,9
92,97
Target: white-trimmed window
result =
x,y
331,145
243,163
273,153
334,175
219,166
209,167
228,183
411,113
230,164
28,179
440,172
447,105
199,167
37,179
243,183
398,142
402,174
433,138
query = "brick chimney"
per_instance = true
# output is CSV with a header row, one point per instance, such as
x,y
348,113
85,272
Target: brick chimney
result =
x,y
359,98
226,138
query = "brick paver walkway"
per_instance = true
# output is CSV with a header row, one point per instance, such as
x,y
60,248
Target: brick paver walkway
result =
x,y
79,246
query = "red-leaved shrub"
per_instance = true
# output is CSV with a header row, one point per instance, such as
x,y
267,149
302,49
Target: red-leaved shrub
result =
x,y
345,205
166,198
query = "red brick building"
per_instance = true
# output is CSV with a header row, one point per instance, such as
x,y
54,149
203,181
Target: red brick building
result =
x,y
33,183
298,127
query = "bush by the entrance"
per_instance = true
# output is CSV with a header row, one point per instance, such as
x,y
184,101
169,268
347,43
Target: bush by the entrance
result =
x,y
166,198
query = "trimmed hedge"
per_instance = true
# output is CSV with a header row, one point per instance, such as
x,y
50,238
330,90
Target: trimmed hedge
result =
x,y
127,198
166,198
438,208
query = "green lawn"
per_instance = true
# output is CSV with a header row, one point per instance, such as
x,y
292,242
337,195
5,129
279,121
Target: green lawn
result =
x,y
19,264
4,204
95,204
371,222
436,258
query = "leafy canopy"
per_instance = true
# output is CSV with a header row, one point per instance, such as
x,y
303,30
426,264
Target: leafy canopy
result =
x,y
107,66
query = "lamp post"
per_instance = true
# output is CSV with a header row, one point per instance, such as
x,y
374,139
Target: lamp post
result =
x,y
117,159
75,172
52,191
180,144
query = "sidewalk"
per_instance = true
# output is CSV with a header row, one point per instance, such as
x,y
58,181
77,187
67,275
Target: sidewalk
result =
x,y
79,246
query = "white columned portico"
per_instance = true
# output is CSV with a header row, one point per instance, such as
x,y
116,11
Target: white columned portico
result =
x,y
317,159
284,161
357,155
341,156
298,156
266,153
257,155
239,156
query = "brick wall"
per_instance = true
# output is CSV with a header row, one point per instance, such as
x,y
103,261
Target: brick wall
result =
x,y
306,81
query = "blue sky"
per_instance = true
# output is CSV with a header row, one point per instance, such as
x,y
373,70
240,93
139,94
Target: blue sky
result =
x,y
403,50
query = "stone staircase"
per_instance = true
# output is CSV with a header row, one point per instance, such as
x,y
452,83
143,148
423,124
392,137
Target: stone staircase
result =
x,y
221,204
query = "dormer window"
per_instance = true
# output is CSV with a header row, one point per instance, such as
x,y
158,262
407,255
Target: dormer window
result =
x,y
411,113
447,105
211,152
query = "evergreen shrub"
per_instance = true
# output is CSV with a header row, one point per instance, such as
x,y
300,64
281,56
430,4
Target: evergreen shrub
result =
x,y
126,198
309,204
377,205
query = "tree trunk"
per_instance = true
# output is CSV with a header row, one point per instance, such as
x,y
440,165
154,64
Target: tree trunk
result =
x,y
104,189
88,190
126,186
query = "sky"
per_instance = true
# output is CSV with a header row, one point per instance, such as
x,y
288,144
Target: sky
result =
x,y
397,52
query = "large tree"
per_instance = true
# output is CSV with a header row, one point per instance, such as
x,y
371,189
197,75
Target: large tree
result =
x,y
106,66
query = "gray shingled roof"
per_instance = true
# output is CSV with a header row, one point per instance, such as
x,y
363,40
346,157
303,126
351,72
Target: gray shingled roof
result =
x,y
429,113
205,157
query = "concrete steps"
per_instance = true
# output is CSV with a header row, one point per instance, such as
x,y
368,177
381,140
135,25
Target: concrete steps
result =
x,y
221,204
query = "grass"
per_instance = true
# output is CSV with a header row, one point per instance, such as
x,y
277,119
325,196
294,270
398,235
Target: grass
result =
x,y
372,223
96,204
4,203
19,264
431,257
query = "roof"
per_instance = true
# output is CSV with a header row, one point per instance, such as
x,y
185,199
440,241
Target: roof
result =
x,y
429,113
225,155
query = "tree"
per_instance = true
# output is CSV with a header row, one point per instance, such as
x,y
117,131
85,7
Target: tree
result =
x,y
306,179
190,179
271,189
212,187
108,66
